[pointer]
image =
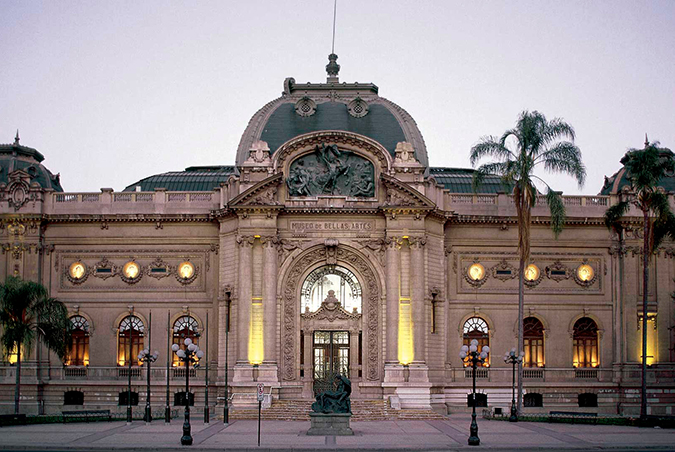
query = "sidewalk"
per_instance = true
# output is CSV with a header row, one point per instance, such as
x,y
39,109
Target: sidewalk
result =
x,y
450,434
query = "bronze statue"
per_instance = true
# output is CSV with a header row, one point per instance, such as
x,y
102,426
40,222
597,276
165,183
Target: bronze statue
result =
x,y
336,401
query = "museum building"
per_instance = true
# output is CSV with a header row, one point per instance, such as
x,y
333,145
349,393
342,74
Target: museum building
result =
x,y
331,245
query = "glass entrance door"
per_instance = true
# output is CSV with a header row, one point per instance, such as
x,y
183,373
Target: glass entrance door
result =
x,y
331,354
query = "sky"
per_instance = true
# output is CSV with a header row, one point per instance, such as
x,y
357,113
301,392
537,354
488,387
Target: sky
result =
x,y
112,92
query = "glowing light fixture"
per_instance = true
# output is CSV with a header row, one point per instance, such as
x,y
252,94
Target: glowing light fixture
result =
x,y
256,347
77,270
186,270
585,272
131,270
532,272
476,272
406,351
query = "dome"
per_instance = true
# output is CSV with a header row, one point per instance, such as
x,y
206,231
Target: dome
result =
x,y
15,157
350,107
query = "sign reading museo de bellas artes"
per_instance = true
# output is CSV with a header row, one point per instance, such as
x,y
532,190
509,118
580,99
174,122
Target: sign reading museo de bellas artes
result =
x,y
315,226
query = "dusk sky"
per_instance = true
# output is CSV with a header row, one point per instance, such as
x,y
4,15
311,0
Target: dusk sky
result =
x,y
112,92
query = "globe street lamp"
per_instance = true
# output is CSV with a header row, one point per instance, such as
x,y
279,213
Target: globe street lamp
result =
x,y
473,357
146,357
191,354
513,358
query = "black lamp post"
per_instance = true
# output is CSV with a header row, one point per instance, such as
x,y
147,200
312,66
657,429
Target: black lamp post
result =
x,y
129,414
191,355
513,359
474,358
226,407
148,358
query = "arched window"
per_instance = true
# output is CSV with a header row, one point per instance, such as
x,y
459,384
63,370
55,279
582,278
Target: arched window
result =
x,y
79,342
183,327
477,328
131,332
533,341
585,343
331,277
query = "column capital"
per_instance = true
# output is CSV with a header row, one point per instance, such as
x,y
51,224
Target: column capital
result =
x,y
417,242
245,240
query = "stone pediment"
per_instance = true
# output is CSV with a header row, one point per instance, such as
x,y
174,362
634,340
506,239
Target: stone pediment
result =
x,y
400,194
264,193
326,312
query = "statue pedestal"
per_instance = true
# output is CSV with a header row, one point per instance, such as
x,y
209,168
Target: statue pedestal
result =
x,y
332,424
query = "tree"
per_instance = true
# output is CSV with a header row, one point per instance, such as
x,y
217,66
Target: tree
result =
x,y
644,170
534,142
27,314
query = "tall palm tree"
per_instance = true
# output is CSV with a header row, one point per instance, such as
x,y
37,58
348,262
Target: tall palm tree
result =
x,y
644,170
534,142
28,313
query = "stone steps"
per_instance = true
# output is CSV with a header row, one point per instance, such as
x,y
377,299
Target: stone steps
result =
x,y
362,410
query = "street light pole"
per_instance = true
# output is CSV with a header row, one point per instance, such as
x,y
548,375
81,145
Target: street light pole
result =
x,y
148,358
474,358
191,354
226,407
513,359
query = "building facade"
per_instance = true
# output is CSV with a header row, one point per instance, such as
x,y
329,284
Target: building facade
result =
x,y
331,245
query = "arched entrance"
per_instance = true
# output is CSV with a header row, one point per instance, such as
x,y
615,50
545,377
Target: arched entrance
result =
x,y
338,261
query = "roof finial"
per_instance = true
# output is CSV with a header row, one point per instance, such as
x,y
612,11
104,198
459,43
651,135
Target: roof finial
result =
x,y
332,68
646,140
16,138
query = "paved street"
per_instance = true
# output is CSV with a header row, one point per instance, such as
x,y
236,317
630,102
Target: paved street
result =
x,y
450,434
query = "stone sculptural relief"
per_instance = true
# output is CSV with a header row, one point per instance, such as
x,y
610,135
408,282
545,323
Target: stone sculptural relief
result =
x,y
331,171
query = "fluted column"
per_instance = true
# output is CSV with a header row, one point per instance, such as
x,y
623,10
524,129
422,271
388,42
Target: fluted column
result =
x,y
417,286
244,301
269,295
392,281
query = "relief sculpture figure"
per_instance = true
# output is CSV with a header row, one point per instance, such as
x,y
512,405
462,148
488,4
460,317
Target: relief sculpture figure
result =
x,y
331,171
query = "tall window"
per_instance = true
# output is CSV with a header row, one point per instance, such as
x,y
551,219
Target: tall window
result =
x,y
131,332
79,342
533,341
477,328
585,343
183,327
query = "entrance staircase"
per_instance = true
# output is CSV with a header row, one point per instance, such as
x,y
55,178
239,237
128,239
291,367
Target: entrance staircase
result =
x,y
362,410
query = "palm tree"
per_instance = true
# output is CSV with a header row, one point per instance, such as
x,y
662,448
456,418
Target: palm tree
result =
x,y
533,142
28,313
644,170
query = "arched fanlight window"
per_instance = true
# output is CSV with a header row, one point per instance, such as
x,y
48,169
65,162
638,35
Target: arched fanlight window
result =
x,y
585,343
184,327
331,277
79,342
130,340
476,328
533,337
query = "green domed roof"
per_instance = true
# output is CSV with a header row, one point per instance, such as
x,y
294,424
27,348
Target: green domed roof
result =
x,y
379,124
15,157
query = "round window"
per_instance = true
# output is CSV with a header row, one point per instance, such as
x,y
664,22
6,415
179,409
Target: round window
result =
x,y
77,270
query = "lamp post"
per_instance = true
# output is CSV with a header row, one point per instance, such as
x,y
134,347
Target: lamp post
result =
x,y
148,358
513,359
191,354
129,414
226,408
474,358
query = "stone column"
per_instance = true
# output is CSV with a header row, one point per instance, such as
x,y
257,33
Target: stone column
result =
x,y
269,295
392,282
418,300
244,301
